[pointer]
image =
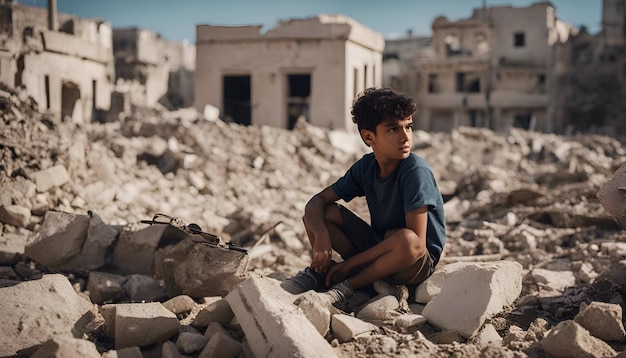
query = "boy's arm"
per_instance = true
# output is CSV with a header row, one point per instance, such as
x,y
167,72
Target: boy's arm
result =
x,y
314,223
417,220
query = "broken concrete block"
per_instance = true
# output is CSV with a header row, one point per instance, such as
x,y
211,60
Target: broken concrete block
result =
x,y
96,248
221,346
556,281
380,310
200,270
470,293
105,287
214,328
489,335
15,215
346,327
142,288
169,350
130,352
12,246
218,311
62,346
50,178
407,321
612,196
191,343
135,250
142,324
602,320
180,304
315,310
272,324
61,236
60,312
569,339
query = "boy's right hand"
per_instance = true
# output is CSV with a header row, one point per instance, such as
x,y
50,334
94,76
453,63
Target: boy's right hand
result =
x,y
322,255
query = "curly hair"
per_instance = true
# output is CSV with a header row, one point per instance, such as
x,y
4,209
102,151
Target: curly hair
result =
x,y
375,105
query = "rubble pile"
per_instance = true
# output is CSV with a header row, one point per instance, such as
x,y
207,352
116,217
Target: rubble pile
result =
x,y
534,260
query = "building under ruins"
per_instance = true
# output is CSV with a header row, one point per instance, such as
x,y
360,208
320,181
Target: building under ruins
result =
x,y
151,69
85,70
64,62
308,69
509,67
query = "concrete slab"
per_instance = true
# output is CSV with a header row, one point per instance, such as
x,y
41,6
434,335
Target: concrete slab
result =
x,y
273,325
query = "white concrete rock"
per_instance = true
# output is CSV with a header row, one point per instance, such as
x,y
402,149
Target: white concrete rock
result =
x,y
470,293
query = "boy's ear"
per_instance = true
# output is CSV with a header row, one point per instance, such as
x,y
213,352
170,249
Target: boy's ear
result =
x,y
368,136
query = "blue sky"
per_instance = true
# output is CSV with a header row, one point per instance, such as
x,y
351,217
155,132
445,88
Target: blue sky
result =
x,y
177,20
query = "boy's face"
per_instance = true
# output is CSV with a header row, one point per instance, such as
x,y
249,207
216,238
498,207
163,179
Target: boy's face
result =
x,y
392,139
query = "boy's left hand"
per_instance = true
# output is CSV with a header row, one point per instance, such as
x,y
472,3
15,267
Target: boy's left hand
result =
x,y
337,273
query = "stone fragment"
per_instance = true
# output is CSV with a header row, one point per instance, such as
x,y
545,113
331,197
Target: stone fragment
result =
x,y
556,281
272,324
214,328
135,250
60,311
104,287
140,324
180,304
346,327
12,246
62,346
489,335
602,320
96,249
569,339
407,321
222,346
470,293
191,343
142,288
200,270
218,311
50,178
15,215
612,196
315,310
61,236
380,310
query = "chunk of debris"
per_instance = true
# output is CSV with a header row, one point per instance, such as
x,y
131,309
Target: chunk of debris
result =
x,y
470,293
612,196
272,324
60,312
569,339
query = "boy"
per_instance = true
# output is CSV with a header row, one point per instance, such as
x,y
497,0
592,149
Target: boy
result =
x,y
407,232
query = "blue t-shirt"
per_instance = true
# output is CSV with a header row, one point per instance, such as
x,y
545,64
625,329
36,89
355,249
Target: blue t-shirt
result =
x,y
410,186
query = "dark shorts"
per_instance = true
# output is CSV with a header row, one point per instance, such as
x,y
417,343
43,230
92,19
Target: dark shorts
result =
x,y
363,237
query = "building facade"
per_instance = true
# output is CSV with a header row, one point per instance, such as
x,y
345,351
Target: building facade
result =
x,y
64,62
491,70
309,69
591,72
151,69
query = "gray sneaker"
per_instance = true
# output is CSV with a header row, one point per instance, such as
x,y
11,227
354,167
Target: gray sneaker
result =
x,y
339,295
303,281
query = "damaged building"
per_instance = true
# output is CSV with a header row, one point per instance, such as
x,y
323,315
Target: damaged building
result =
x,y
591,74
64,62
308,69
151,69
491,70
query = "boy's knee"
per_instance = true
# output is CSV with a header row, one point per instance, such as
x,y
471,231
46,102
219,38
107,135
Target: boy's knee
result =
x,y
410,244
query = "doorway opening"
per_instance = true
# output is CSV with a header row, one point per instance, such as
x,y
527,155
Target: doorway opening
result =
x,y
298,96
237,99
